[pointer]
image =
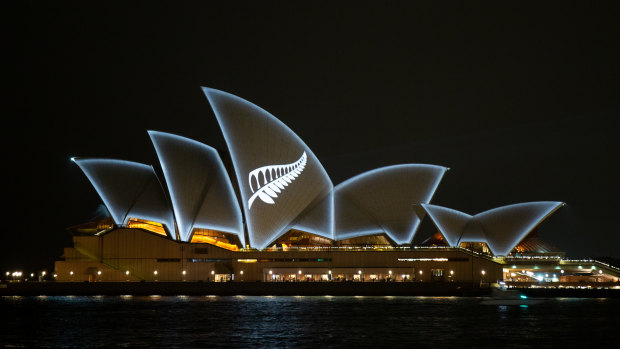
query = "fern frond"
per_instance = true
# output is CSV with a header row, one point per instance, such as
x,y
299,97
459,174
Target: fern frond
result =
x,y
275,178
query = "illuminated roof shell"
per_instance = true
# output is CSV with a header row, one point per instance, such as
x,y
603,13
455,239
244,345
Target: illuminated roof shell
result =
x,y
268,156
382,200
129,189
501,228
200,190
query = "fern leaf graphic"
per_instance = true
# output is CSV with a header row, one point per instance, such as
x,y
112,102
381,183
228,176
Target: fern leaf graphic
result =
x,y
271,180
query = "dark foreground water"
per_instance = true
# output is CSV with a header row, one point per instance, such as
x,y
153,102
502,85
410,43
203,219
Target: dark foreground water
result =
x,y
323,321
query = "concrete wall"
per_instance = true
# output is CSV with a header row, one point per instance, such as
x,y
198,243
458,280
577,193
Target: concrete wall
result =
x,y
141,254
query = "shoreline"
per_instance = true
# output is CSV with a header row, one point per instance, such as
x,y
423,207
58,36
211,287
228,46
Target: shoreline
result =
x,y
281,289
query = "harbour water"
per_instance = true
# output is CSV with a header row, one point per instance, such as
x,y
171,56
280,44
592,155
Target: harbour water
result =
x,y
304,321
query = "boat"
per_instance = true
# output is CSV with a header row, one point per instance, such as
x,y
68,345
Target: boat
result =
x,y
503,296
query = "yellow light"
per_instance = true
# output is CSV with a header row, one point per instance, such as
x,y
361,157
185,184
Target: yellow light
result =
x,y
247,260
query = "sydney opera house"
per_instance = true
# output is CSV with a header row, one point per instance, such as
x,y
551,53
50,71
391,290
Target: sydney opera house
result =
x,y
275,216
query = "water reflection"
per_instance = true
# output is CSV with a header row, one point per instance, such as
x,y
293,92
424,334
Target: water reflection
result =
x,y
302,321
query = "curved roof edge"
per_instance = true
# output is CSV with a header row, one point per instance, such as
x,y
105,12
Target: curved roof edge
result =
x,y
528,214
449,222
204,156
212,95
122,184
503,227
376,173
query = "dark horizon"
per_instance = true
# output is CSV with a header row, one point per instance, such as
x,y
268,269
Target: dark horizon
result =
x,y
518,100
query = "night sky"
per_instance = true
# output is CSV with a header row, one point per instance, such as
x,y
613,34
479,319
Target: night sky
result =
x,y
519,101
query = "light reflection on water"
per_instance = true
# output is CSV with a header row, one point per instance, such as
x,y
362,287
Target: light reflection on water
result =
x,y
303,321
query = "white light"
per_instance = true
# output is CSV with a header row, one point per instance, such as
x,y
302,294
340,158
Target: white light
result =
x,y
241,272
31,275
155,272
451,272
299,272
183,272
43,273
390,272
483,272
287,174
55,275
270,272
420,272
359,272
212,272
71,273
546,275
600,271
99,272
127,272
562,271
329,272
8,273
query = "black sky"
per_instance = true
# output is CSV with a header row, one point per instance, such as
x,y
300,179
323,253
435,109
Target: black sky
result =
x,y
519,100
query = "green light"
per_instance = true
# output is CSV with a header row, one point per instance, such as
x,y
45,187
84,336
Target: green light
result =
x,y
523,296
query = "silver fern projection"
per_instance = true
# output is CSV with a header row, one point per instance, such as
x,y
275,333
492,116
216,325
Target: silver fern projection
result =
x,y
279,176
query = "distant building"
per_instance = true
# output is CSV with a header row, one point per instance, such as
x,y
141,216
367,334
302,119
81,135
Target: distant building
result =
x,y
277,217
